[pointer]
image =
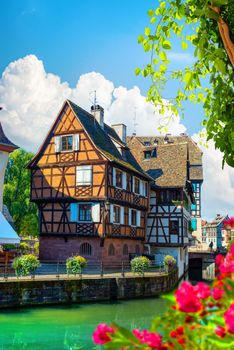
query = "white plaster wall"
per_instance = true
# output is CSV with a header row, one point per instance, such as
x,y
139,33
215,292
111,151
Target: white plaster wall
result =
x,y
3,165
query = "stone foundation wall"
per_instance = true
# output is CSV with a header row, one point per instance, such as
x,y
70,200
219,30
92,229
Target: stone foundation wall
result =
x,y
59,249
39,292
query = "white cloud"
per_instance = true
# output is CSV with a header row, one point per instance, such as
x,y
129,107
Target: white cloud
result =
x,y
218,186
32,98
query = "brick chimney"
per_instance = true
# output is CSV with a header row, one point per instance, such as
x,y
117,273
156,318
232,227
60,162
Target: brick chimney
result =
x,y
98,112
121,131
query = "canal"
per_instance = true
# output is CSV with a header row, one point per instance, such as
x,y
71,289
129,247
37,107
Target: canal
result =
x,y
71,327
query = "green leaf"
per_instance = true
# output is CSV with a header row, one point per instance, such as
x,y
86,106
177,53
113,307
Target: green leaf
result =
x,y
150,13
188,78
166,45
141,38
147,31
184,45
137,71
162,68
163,56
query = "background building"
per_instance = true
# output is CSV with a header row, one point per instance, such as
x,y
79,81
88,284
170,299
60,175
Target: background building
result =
x,y
175,164
214,232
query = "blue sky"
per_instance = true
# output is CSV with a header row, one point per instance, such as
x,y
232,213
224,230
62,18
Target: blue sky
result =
x,y
74,37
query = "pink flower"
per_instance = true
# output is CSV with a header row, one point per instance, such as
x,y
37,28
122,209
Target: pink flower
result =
x,y
101,334
227,266
220,331
202,290
219,259
154,340
217,293
229,318
186,298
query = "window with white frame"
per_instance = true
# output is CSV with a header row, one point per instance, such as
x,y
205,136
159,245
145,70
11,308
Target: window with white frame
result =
x,y
85,212
84,175
134,217
116,216
67,143
118,178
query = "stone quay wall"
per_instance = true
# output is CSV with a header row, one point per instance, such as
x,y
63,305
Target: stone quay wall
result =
x,y
67,291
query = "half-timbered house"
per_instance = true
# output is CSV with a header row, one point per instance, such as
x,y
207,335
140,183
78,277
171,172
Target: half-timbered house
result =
x,y
169,161
91,193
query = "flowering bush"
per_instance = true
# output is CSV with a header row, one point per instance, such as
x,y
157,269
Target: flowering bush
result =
x,y
229,223
75,264
169,262
199,317
140,264
25,264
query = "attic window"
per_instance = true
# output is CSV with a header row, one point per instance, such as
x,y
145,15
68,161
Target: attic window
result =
x,y
150,154
66,143
147,143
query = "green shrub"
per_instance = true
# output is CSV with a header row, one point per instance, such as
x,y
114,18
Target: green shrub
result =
x,y
169,262
25,264
75,264
140,264
36,248
24,246
8,247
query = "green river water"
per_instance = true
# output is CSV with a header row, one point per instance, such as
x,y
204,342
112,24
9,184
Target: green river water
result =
x,y
70,327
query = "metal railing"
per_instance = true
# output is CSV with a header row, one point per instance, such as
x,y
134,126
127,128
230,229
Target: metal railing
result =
x,y
57,270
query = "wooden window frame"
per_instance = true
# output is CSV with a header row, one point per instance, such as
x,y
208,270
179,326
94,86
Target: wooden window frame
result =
x,y
61,143
171,230
114,219
85,221
135,211
135,181
117,173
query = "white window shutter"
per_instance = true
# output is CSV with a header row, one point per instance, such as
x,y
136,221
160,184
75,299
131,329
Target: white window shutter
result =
x,y
79,176
111,213
96,212
76,142
122,215
138,218
133,184
57,144
141,188
129,216
124,181
114,177
73,212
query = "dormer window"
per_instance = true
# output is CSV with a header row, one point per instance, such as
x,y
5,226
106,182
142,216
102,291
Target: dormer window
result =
x,y
150,154
66,143
147,143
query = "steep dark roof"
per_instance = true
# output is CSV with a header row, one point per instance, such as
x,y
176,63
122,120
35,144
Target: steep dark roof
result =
x,y
103,140
4,141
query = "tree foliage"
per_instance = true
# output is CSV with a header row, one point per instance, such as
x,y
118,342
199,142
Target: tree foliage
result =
x,y
17,194
207,27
